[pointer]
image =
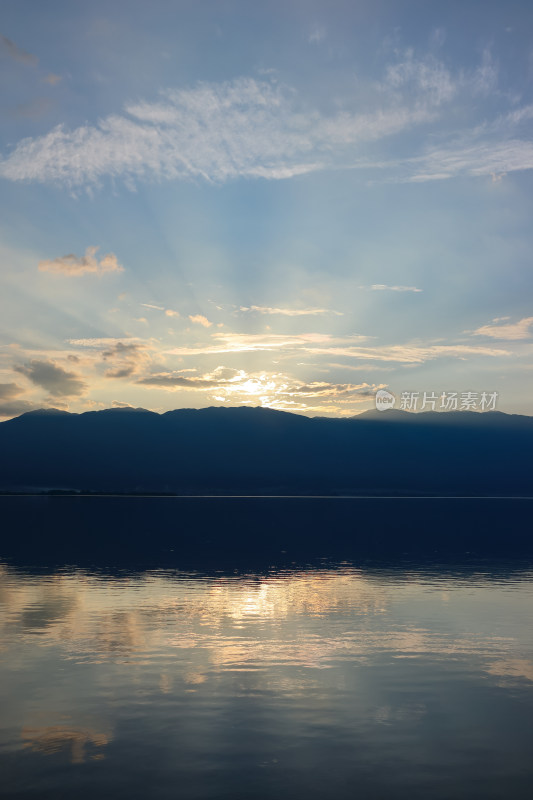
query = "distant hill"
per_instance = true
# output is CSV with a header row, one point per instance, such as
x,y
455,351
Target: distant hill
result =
x,y
261,451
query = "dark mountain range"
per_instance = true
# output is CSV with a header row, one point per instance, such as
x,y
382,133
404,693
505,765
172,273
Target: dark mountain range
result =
x,y
261,451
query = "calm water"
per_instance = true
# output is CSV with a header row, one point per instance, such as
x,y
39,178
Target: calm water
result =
x,y
203,658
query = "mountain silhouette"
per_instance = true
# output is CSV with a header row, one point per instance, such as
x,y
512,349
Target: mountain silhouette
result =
x,y
261,451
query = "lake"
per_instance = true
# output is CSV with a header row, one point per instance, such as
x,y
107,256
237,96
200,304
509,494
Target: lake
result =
x,y
265,648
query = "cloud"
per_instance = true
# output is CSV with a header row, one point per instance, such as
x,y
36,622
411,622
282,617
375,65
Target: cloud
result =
x,y
174,380
244,342
182,379
106,341
512,331
127,358
263,129
15,408
72,265
199,319
410,354
168,311
485,78
269,388
16,53
479,158
321,389
221,131
121,372
10,390
290,312
326,345
428,76
379,287
490,149
56,380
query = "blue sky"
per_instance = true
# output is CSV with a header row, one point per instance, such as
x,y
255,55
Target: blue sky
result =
x,y
280,204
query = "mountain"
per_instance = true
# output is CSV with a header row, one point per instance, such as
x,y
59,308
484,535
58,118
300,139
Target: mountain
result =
x,y
262,451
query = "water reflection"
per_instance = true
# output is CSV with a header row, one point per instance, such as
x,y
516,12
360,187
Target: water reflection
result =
x,y
291,674
309,618
367,647
51,739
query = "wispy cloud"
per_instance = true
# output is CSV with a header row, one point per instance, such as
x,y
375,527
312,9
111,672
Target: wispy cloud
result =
x,y
105,342
337,391
73,266
290,312
170,312
183,379
175,380
412,354
481,157
16,53
492,148
380,287
221,131
326,345
485,78
263,129
428,76
242,342
510,331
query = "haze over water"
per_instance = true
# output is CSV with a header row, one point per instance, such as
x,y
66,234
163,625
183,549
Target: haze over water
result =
x,y
292,674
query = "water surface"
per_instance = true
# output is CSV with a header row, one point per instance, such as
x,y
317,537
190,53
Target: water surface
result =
x,y
295,674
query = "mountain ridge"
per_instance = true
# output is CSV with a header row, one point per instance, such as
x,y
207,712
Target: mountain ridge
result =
x,y
371,414
253,450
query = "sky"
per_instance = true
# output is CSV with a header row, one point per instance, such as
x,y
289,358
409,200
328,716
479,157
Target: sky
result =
x,y
281,204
